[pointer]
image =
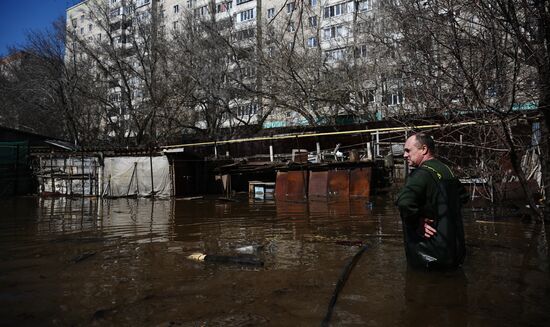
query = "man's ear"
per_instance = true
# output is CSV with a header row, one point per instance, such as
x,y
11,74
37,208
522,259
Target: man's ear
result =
x,y
424,149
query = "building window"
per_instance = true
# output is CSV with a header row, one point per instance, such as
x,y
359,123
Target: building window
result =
x,y
395,98
114,26
114,13
371,95
176,9
312,21
312,3
290,7
201,11
223,7
242,1
336,54
290,27
114,1
365,5
248,72
128,10
89,27
82,30
270,12
175,25
245,34
137,94
245,15
361,51
367,96
115,97
74,22
312,42
140,3
247,109
334,31
339,9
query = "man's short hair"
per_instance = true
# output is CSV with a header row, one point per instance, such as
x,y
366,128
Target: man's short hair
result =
x,y
425,139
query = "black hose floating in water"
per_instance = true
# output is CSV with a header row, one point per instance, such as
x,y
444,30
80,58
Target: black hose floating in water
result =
x,y
340,284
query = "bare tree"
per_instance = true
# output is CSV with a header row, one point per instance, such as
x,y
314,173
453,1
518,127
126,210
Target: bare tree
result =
x,y
203,58
47,93
315,71
479,60
128,56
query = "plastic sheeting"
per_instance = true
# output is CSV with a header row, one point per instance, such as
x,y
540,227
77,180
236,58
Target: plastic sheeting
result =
x,y
530,162
131,176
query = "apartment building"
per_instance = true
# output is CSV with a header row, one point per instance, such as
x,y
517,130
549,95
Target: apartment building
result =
x,y
332,33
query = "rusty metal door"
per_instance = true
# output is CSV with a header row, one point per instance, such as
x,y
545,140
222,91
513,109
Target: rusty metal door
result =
x,y
296,185
338,184
360,182
281,186
318,183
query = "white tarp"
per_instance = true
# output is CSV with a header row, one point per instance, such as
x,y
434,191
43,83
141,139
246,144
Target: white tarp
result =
x,y
127,176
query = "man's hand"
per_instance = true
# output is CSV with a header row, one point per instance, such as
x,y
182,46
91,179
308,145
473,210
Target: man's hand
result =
x,y
429,231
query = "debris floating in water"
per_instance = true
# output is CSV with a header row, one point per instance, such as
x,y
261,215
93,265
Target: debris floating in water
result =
x,y
197,256
242,260
191,198
249,249
82,257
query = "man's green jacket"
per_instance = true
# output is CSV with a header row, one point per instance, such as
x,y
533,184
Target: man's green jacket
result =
x,y
431,191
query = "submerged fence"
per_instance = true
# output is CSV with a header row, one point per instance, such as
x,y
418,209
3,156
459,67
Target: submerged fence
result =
x,y
109,177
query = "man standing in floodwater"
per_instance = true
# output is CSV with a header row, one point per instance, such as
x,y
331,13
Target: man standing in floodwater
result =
x,y
430,206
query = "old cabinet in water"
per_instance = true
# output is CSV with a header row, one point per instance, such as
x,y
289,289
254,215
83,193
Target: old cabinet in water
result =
x,y
351,181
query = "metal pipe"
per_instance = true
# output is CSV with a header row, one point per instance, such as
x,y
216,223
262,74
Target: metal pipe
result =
x,y
318,148
151,166
377,144
16,170
283,137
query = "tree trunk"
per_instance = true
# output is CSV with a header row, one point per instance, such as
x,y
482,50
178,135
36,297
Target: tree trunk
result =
x,y
518,170
544,104
545,166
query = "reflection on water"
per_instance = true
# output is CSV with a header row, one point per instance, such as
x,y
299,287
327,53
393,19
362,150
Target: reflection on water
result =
x,y
123,262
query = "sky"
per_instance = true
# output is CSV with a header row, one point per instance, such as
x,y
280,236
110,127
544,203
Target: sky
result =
x,y
17,17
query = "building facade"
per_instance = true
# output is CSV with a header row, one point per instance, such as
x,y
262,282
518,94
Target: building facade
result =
x,y
225,64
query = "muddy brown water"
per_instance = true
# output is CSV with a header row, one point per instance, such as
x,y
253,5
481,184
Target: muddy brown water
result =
x,y
124,262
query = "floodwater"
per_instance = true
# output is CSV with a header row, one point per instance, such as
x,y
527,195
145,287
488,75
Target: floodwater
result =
x,y
124,262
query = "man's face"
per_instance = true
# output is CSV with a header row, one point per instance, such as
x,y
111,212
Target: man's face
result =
x,y
414,154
